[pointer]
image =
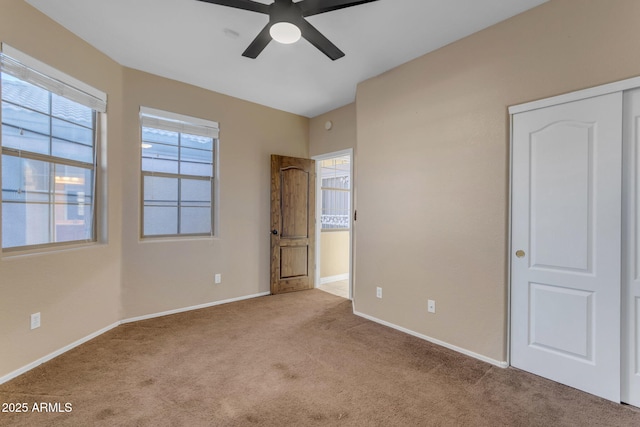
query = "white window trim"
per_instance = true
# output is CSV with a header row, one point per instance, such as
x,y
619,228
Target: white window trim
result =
x,y
51,72
181,119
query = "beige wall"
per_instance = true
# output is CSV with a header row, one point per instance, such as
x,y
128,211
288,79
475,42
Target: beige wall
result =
x,y
334,253
160,276
341,136
432,181
82,291
432,176
77,292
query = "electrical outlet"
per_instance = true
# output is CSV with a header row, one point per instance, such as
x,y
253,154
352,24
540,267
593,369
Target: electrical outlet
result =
x,y
35,320
218,279
379,292
431,306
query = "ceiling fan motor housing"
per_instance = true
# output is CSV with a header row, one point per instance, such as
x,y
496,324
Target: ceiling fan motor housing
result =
x,y
284,11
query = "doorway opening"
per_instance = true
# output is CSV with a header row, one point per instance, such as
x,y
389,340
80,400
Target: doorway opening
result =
x,y
334,226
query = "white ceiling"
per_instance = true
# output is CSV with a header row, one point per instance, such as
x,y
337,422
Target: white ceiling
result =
x,y
188,41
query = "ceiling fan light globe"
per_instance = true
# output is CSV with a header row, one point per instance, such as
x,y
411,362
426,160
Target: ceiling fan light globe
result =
x,y
285,32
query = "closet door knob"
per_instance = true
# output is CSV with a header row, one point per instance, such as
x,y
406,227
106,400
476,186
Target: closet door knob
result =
x,y
520,253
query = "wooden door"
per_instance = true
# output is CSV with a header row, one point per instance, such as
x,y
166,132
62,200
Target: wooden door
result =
x,y
565,261
293,207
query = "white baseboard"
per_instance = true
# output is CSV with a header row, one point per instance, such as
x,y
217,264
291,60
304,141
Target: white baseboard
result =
x,y
56,353
337,278
194,307
435,341
89,337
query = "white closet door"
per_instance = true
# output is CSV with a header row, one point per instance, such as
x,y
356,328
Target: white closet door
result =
x,y
566,222
631,253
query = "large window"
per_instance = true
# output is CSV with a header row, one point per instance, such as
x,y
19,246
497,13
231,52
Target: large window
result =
x,y
49,156
178,174
335,176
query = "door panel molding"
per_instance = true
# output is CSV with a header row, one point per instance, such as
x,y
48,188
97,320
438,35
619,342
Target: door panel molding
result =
x,y
549,187
570,305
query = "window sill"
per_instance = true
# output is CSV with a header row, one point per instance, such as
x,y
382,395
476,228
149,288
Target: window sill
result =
x,y
56,249
175,239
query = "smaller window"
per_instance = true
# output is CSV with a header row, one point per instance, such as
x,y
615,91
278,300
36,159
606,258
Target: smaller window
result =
x,y
335,186
178,174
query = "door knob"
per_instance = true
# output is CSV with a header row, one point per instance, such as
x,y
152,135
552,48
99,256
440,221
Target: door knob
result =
x,y
520,253
274,232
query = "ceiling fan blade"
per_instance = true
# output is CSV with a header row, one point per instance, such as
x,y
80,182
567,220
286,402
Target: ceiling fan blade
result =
x,y
316,38
314,7
259,43
242,4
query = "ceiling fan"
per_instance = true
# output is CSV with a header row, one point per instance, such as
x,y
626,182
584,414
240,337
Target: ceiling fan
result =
x,y
287,23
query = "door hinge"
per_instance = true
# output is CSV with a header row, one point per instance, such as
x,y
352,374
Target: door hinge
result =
x,y
355,215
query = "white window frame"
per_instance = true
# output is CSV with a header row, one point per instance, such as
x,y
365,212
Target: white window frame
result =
x,y
151,117
31,70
